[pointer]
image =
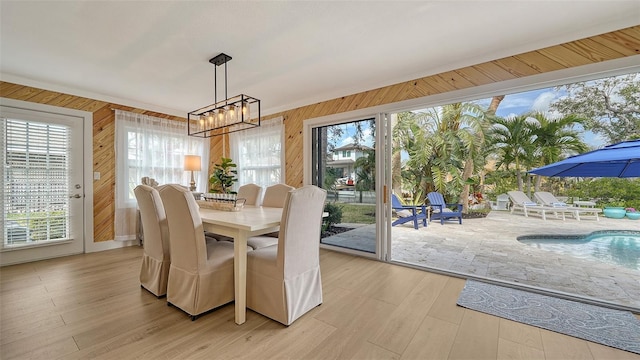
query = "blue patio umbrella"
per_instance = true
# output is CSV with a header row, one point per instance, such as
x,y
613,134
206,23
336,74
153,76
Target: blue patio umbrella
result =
x,y
618,160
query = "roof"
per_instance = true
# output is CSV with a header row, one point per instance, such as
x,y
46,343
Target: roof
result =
x,y
352,146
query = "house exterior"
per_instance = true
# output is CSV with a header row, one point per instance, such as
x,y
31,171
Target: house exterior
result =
x,y
343,159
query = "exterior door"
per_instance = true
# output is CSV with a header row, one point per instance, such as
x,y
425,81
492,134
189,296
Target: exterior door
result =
x,y
42,185
343,161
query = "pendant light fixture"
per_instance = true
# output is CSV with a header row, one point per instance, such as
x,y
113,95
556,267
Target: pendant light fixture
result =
x,y
237,113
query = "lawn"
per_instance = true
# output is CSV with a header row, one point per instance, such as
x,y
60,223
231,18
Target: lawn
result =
x,y
358,213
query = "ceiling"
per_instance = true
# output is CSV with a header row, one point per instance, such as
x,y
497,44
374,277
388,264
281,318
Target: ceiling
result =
x,y
154,54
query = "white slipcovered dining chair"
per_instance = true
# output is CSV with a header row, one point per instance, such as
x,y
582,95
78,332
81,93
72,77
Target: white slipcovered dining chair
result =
x,y
283,280
156,258
252,193
201,273
275,195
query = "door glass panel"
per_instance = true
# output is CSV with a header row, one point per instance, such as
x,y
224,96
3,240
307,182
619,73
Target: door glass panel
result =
x,y
36,204
343,163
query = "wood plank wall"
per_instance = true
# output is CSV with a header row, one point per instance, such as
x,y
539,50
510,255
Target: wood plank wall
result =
x,y
609,46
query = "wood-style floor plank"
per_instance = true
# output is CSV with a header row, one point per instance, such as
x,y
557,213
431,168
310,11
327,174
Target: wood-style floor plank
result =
x,y
405,320
522,334
92,306
477,337
433,340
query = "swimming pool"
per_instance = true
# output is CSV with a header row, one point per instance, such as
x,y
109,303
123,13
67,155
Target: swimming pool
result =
x,y
619,247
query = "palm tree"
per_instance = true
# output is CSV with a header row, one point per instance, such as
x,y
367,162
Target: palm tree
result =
x,y
554,139
405,129
448,141
511,139
445,147
365,171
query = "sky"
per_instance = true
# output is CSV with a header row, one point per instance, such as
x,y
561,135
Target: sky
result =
x,y
538,100
512,105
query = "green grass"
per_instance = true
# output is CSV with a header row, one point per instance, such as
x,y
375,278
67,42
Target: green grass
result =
x,y
358,213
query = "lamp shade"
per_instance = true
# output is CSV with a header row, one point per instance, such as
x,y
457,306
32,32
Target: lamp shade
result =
x,y
192,162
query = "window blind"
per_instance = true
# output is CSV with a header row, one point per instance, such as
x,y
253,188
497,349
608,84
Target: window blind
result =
x,y
36,159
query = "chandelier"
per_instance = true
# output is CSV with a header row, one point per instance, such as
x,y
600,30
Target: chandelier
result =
x,y
233,114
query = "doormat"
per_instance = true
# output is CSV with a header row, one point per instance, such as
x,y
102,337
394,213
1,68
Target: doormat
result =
x,y
615,328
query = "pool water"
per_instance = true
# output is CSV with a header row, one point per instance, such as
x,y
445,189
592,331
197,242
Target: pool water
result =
x,y
619,247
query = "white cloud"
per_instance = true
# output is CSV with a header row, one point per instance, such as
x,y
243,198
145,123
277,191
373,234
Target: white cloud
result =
x,y
346,141
542,102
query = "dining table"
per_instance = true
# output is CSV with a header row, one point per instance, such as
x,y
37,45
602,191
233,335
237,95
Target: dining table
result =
x,y
241,225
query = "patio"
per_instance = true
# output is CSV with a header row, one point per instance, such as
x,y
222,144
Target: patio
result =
x,y
487,248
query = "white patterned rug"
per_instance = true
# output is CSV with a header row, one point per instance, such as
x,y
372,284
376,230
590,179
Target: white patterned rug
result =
x,y
615,328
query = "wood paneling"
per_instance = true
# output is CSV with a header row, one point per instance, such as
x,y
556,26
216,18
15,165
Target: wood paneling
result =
x,y
609,46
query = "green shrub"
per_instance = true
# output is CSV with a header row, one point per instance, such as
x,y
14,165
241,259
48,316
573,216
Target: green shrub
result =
x,y
335,215
609,191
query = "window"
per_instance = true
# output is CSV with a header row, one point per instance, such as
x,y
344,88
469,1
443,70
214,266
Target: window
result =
x,y
35,196
259,153
151,147
346,153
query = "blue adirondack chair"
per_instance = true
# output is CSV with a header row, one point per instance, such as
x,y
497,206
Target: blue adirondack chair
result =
x,y
408,213
443,211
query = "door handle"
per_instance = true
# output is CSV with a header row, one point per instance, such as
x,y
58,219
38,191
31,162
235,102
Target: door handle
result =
x,y
76,196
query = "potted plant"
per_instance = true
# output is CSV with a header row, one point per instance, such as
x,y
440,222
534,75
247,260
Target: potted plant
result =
x,y
632,213
223,177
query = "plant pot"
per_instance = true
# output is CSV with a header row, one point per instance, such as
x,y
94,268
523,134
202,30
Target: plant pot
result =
x,y
633,215
614,212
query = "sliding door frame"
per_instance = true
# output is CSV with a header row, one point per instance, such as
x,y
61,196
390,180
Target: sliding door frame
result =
x,y
383,166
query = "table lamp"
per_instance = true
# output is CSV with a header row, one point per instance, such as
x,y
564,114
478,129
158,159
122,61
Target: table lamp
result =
x,y
192,163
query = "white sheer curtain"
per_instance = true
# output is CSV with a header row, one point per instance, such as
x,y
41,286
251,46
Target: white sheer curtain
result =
x,y
259,153
153,147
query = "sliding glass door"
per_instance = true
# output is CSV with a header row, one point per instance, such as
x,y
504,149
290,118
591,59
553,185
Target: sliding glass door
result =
x,y
344,159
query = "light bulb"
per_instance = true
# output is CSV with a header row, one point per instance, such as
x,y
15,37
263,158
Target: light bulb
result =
x,y
245,110
231,114
221,114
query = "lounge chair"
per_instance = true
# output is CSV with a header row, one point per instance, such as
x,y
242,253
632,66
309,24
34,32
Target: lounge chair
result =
x,y
522,202
548,199
443,211
407,213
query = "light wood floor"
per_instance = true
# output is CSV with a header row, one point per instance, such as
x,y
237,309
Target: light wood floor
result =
x,y
91,306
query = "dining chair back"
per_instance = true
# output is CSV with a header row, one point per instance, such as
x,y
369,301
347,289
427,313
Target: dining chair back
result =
x,y
201,273
156,257
252,194
283,280
275,195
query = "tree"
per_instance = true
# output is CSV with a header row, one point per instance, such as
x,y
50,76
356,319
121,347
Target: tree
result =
x,y
448,141
611,106
555,139
407,133
365,172
511,139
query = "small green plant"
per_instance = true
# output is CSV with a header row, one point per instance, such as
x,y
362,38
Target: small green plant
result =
x,y
335,216
223,177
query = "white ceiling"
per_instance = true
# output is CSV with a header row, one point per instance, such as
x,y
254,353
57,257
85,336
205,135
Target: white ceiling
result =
x,y
154,54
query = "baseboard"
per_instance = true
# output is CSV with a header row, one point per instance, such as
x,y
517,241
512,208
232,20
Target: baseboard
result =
x,y
108,245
